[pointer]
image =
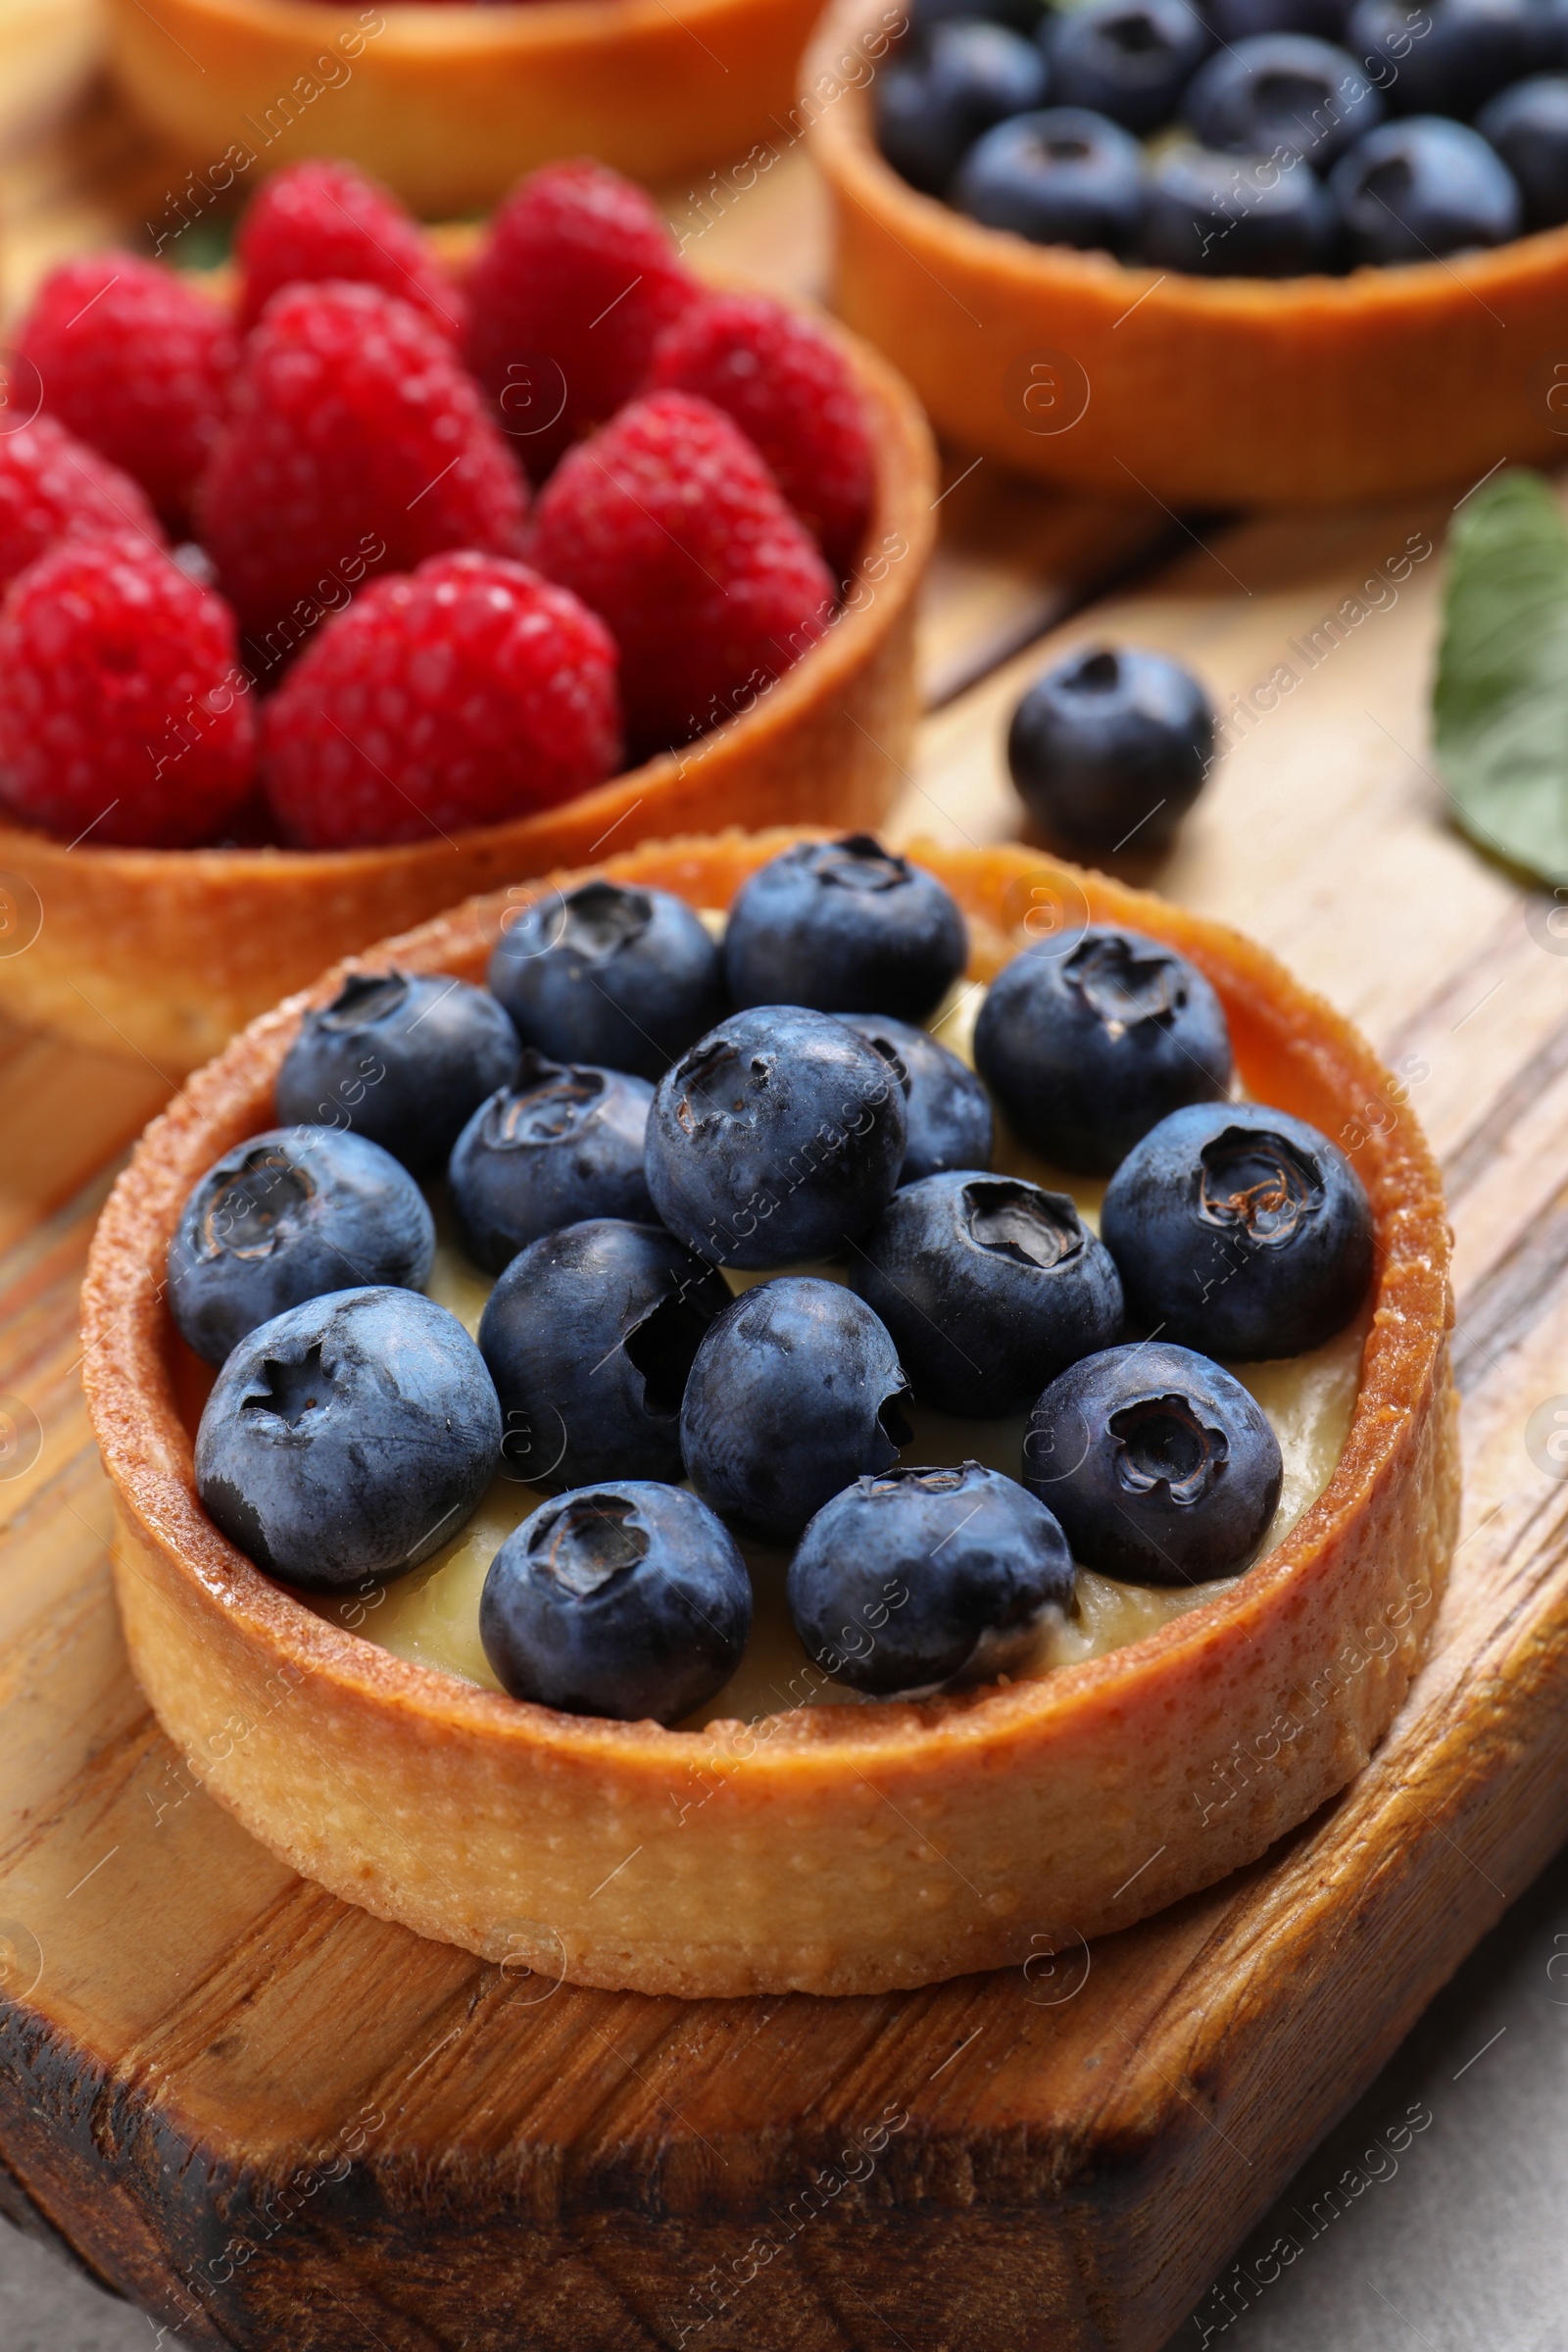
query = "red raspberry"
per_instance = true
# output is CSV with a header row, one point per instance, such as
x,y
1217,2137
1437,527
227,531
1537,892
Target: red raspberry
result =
x,y
669,526
357,445
51,484
137,361
322,220
123,709
471,692
577,281
790,390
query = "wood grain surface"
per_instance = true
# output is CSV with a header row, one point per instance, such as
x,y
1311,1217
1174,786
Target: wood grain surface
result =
x,y
280,2124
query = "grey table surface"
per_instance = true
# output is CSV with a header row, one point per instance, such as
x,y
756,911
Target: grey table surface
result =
x,y
1434,2215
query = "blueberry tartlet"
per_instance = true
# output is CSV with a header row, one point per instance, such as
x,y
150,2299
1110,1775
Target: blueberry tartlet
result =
x,y
824,1570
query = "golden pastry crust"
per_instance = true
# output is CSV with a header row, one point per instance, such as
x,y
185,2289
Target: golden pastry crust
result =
x,y
164,954
449,105
1070,367
829,1849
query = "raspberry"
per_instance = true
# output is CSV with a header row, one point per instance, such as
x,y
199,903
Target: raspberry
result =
x,y
669,526
471,692
137,363
322,220
790,390
52,484
123,710
356,444
578,279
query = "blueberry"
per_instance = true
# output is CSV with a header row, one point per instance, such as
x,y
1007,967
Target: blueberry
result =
x,y
1239,1230
942,89
778,1137
946,1109
1064,177
558,1146
845,926
1445,57
924,1577
284,1217
1112,748
589,1335
1159,1466
987,1286
1414,190
1279,94
622,979
1087,1049
796,1389
1528,125
1236,215
1239,20
349,1438
1128,58
406,1060
625,1598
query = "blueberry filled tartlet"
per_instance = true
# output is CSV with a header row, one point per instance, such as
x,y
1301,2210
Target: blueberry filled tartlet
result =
x,y
911,1366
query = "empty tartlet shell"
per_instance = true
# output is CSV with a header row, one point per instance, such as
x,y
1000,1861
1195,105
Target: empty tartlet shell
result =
x,y
448,105
161,954
1075,368
830,1849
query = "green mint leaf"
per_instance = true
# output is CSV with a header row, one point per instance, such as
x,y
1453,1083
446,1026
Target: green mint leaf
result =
x,y
1500,701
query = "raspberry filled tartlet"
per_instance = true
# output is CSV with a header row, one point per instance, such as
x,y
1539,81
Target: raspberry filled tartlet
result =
x,y
779,1421
386,571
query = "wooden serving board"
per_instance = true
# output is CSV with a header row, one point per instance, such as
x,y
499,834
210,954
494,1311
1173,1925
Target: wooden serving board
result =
x,y
279,2124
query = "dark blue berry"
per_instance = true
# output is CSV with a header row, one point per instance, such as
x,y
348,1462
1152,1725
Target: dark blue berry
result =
x,y
621,979
1239,20
1064,177
349,1438
406,1060
796,1391
946,1109
776,1138
1110,749
589,1335
1087,1048
1414,190
1159,1466
1236,215
625,1598
558,1146
1528,125
1239,1230
924,1577
845,926
1445,57
1279,94
987,1286
282,1218
942,89
1128,58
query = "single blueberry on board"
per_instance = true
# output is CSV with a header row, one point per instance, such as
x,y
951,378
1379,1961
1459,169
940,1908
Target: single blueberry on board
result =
x,y
920,1578
1086,1050
1239,1230
1159,1466
845,926
1110,749
618,978
625,1598
348,1438
589,1335
795,1391
555,1147
947,1109
404,1058
283,1217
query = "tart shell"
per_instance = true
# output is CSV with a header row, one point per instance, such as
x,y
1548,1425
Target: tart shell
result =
x,y
161,955
831,1849
449,105
1073,367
